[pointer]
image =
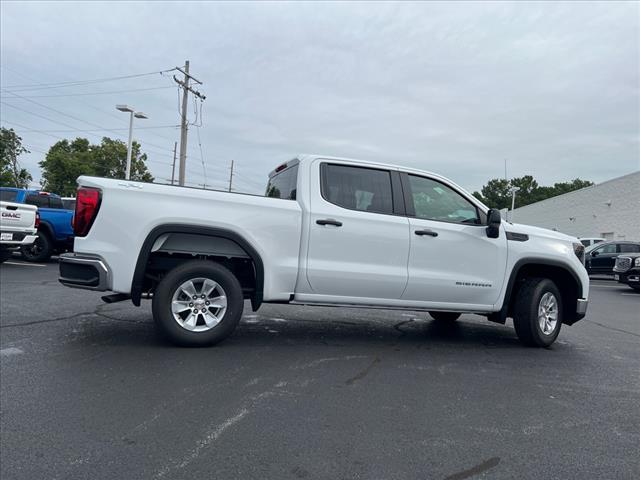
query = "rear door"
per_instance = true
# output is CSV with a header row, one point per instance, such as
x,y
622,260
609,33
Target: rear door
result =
x,y
451,260
358,238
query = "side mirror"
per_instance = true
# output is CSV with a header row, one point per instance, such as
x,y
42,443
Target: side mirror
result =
x,y
493,223
594,254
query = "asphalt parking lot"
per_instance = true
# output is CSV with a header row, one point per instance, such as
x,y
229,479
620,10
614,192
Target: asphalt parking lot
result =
x,y
89,391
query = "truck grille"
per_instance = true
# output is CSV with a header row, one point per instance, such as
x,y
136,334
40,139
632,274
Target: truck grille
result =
x,y
622,264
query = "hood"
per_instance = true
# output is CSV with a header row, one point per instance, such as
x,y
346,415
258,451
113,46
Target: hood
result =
x,y
538,232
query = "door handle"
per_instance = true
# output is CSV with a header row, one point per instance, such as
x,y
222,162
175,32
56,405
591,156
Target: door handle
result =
x,y
329,221
431,233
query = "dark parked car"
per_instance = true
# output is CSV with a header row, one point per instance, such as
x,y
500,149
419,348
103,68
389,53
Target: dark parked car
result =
x,y
627,270
601,258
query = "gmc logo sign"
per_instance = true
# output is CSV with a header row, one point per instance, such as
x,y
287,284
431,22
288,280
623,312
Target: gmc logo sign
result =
x,y
10,215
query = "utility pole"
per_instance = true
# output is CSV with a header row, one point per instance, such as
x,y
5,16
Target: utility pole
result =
x,y
173,168
231,176
184,124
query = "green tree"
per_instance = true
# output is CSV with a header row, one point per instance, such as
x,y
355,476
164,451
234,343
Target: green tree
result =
x,y
497,192
11,173
67,160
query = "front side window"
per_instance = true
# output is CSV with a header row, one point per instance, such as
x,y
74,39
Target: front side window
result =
x,y
433,200
610,248
357,188
283,184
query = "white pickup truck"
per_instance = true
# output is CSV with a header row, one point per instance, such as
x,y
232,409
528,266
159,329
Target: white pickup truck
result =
x,y
329,231
18,227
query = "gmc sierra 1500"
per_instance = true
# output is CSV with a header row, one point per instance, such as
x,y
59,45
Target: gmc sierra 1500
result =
x,y
329,231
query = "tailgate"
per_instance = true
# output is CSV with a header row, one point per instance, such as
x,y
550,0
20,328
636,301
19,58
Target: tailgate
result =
x,y
17,217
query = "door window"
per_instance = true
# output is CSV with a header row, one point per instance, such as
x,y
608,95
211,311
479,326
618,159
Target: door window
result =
x,y
55,202
433,200
610,248
283,184
357,188
629,248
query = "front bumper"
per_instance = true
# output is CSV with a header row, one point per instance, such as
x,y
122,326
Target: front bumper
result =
x,y
581,308
84,271
630,277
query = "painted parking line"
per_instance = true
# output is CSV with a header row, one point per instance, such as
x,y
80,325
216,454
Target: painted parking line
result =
x,y
605,286
631,294
25,264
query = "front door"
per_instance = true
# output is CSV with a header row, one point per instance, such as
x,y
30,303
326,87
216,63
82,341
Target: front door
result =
x,y
357,246
602,259
451,259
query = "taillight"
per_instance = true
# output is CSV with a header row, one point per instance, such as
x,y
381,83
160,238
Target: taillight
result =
x,y
87,206
37,224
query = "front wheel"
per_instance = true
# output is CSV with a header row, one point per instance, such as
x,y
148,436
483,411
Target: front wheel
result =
x,y
39,251
537,313
198,303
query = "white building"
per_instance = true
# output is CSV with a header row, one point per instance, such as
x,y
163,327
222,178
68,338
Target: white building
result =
x,y
610,210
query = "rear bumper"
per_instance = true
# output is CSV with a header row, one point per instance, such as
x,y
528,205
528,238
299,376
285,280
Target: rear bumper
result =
x,y
18,239
84,271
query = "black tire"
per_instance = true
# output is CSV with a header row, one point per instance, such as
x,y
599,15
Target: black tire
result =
x,y
525,312
170,284
4,255
445,316
40,250
635,287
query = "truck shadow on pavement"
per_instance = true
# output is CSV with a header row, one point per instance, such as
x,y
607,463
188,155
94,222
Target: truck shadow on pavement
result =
x,y
310,330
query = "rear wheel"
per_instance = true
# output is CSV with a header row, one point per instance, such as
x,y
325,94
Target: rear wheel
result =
x,y
537,313
635,287
198,303
39,251
445,316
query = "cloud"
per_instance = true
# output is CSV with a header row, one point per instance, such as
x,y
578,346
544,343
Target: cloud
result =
x,y
449,87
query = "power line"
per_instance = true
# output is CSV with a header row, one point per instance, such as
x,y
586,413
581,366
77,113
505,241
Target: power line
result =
x,y
95,93
73,118
111,114
96,130
76,129
75,83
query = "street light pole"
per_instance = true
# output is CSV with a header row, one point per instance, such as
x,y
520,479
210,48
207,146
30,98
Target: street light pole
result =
x,y
127,172
513,200
133,113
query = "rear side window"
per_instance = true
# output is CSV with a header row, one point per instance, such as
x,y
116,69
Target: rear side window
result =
x,y
55,202
283,184
629,248
8,195
357,188
41,201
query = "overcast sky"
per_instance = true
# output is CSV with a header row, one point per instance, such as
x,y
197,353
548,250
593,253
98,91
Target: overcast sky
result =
x,y
454,88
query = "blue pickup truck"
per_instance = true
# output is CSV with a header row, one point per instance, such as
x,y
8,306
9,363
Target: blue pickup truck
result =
x,y
55,233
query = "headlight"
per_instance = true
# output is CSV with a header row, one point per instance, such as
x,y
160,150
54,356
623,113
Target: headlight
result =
x,y
578,249
636,262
